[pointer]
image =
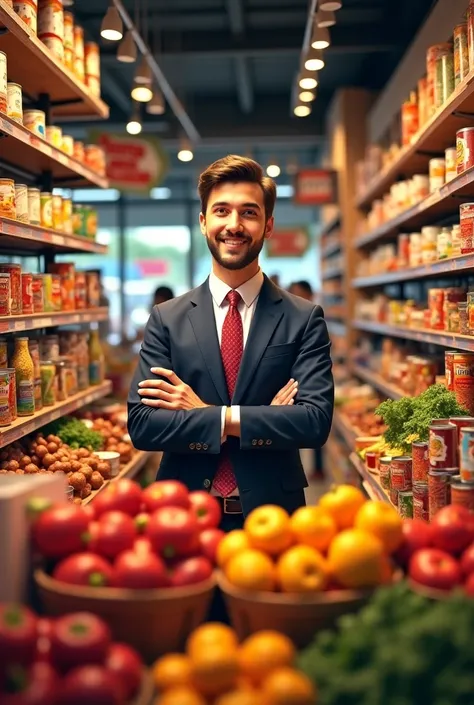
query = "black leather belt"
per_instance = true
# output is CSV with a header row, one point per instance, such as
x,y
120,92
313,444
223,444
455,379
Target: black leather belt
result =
x,y
230,505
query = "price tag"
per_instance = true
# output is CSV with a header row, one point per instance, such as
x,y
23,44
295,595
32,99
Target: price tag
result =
x,y
19,325
57,239
43,322
6,126
28,428
55,414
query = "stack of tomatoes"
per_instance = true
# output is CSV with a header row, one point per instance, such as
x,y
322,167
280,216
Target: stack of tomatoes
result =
x,y
71,660
163,536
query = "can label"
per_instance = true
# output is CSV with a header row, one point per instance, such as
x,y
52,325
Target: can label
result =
x,y
27,293
38,293
26,398
5,411
384,473
21,203
5,296
56,292
448,367
443,446
401,468
420,462
405,504
462,494
15,102
466,217
81,290
439,491
463,376
3,82
7,198
14,270
34,206
35,121
421,501
466,451
28,12
46,203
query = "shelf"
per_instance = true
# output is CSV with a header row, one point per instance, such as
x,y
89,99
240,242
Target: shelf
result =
x,y
19,236
129,470
450,266
33,155
331,248
437,134
330,225
35,321
377,382
374,489
39,71
342,426
28,424
335,312
332,272
433,337
337,328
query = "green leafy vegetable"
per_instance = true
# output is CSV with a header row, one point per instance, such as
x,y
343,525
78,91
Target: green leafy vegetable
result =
x,y
75,433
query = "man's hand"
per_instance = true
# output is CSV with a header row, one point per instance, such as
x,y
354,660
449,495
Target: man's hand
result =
x,y
171,395
286,395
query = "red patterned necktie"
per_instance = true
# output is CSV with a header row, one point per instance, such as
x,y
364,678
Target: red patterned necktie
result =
x,y
232,347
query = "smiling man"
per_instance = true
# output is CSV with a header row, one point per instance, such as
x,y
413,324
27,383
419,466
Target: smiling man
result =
x,y
235,376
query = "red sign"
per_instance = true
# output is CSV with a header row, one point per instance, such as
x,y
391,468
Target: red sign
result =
x,y
290,242
152,267
315,187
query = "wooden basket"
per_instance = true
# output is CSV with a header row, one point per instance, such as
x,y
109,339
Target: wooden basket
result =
x,y
146,692
298,616
153,621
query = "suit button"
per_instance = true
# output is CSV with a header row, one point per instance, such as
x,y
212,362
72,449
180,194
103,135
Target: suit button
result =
x,y
268,442
198,446
260,442
205,446
207,483
254,442
192,446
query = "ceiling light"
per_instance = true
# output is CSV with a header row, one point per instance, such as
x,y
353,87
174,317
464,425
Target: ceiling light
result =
x,y
185,155
307,80
302,110
325,18
141,93
307,96
273,170
330,5
134,125
127,51
157,104
111,27
314,61
321,38
143,73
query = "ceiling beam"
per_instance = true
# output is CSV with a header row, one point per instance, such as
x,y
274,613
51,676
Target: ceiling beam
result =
x,y
235,11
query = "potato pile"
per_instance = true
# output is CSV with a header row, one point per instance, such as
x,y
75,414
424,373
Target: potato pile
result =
x,y
113,432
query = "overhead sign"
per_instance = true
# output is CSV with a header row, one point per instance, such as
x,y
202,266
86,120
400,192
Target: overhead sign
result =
x,y
288,242
315,187
133,163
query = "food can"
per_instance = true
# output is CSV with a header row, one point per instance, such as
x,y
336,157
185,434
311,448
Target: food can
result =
x,y
371,457
462,493
33,347
460,422
3,353
15,102
450,164
421,501
466,217
7,397
436,308
443,244
7,198
449,369
403,462
92,67
5,296
48,293
444,83
60,365
54,135
38,293
48,382
27,292
57,212
46,203
67,216
420,461
67,145
466,453
410,119
464,149
79,151
66,270
81,292
79,68
93,289
51,347
35,122
470,312
56,292
422,87
14,270
437,173
405,504
51,26
95,158
34,206
443,452
463,378
71,377
28,12
69,40
461,53
439,489
470,34
384,472
21,203
431,59
3,83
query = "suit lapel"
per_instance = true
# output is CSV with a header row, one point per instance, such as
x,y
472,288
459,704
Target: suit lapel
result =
x,y
204,326
265,320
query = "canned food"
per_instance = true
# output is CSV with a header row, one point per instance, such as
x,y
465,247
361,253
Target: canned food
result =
x,y
444,84
470,311
79,151
48,382
443,244
57,212
3,353
7,198
422,87
95,158
464,149
449,368
450,164
14,270
456,240
410,119
28,12
67,145
60,365
384,472
81,300
431,59
51,26
46,203
33,347
27,293
69,40
54,135
5,296
21,203
56,292
67,216
34,206
404,463
93,289
38,293
462,493
466,453
48,293
420,461
436,308
439,489
437,174
461,53
79,68
470,35
3,83
51,347
71,377
92,67
6,417
443,451
463,377
35,122
66,270
421,501
460,422
15,102
405,504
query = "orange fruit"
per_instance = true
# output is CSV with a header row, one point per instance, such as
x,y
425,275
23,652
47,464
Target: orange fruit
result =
x,y
263,652
240,697
251,570
171,670
382,520
232,543
356,559
302,569
183,695
268,529
209,635
313,526
343,502
215,669
286,686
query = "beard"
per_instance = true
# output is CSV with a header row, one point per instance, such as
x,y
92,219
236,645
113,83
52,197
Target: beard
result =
x,y
235,260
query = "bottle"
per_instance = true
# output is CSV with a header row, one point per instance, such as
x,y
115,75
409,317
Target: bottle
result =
x,y
96,359
25,377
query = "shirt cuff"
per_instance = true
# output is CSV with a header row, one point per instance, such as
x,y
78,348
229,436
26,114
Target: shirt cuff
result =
x,y
223,437
234,417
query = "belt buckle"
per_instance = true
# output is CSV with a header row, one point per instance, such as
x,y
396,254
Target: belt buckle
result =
x,y
231,499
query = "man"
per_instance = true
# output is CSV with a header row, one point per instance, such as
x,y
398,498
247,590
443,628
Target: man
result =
x,y
302,289
244,372
162,294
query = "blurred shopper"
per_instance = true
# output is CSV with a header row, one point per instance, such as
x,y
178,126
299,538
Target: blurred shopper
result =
x,y
162,294
303,289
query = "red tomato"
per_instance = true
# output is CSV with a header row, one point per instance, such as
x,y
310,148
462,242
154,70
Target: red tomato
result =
x,y
126,664
209,539
84,569
90,684
122,495
140,571
141,520
61,531
18,634
78,639
172,531
116,532
165,493
435,568
467,561
469,585
142,545
453,529
191,570
416,534
206,509
36,685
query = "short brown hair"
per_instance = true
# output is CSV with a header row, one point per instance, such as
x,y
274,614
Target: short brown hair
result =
x,y
233,169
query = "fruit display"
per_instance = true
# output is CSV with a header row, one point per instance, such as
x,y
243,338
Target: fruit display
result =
x,y
356,404
64,661
217,668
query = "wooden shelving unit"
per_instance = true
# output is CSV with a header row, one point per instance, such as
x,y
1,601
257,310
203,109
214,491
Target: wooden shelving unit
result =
x,y
36,321
129,470
444,267
377,382
430,337
36,239
370,482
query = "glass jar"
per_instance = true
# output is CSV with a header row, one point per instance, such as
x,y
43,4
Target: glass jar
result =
x,y
463,318
444,82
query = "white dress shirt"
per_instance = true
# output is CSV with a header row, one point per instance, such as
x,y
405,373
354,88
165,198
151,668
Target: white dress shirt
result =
x,y
249,291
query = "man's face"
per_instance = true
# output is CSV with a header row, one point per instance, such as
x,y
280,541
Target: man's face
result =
x,y
234,224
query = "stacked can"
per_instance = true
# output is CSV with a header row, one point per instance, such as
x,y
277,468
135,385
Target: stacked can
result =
x,y
401,483
443,460
420,469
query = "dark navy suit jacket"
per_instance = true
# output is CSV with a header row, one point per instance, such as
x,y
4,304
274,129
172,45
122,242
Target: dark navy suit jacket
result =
x,y
288,338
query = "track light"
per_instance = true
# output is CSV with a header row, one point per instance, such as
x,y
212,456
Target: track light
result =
x,y
185,153
141,93
321,38
127,51
143,73
307,96
325,18
314,60
307,80
330,5
157,104
302,110
111,27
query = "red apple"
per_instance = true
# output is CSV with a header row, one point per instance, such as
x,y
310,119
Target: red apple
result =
x,y
416,534
191,570
172,532
469,585
209,539
435,568
140,571
453,528
165,493
467,561
206,509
